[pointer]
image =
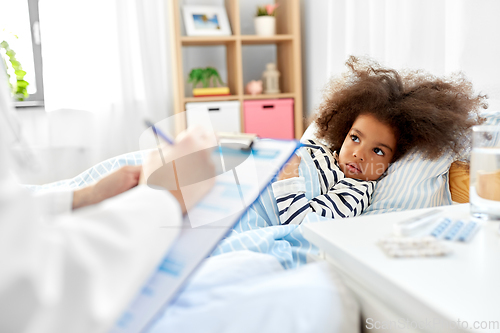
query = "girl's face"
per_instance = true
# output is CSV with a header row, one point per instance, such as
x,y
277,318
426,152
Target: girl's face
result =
x,y
367,149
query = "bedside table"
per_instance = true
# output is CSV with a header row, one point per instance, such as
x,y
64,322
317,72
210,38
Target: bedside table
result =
x,y
456,293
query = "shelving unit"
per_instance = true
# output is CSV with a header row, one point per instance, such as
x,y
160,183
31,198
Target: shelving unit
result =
x,y
287,41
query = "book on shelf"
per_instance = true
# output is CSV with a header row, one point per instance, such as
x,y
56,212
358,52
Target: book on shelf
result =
x,y
214,91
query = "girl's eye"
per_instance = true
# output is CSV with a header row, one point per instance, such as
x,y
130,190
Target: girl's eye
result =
x,y
378,151
354,138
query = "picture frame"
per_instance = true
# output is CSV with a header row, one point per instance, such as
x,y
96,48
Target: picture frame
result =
x,y
206,21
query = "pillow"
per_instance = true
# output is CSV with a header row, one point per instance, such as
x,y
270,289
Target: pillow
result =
x,y
492,117
411,183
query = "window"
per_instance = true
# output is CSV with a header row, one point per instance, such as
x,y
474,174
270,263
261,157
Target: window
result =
x,y
20,32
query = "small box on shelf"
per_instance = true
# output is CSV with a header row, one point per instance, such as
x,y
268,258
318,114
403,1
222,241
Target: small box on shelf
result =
x,y
224,115
270,118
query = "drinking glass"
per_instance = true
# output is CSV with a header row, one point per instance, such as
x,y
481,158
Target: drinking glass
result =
x,y
485,172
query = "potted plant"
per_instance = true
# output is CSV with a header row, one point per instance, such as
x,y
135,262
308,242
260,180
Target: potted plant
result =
x,y
204,76
265,22
20,86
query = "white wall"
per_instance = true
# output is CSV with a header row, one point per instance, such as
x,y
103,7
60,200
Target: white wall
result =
x,y
440,36
315,51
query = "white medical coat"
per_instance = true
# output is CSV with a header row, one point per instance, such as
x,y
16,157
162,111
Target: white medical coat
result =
x,y
74,272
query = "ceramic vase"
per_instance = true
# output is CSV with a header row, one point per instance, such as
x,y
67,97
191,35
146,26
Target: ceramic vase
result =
x,y
265,25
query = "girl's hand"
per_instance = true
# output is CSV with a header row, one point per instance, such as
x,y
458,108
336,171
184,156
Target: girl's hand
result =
x,y
291,169
113,184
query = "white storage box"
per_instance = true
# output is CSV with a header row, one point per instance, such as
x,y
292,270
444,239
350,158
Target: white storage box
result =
x,y
224,116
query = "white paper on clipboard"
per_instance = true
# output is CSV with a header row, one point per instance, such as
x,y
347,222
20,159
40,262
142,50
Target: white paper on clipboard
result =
x,y
245,176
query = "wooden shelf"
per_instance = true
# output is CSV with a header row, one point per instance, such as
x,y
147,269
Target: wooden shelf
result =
x,y
237,97
288,58
206,40
269,96
245,40
211,98
256,40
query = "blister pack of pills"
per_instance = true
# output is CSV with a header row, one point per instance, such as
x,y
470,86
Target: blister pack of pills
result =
x,y
404,247
458,230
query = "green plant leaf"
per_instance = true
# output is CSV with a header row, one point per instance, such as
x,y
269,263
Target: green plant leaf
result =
x,y
205,79
261,11
213,75
20,73
18,88
196,76
22,83
19,96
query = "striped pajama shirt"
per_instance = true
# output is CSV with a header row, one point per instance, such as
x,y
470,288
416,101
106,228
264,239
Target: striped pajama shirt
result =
x,y
340,196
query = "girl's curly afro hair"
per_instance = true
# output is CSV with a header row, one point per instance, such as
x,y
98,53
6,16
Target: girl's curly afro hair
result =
x,y
429,113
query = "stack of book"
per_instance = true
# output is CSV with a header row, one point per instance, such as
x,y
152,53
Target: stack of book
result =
x,y
216,91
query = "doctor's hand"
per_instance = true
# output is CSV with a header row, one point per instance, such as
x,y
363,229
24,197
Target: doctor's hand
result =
x,y
185,169
113,184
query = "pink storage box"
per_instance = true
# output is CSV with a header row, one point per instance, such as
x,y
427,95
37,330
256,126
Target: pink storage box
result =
x,y
269,118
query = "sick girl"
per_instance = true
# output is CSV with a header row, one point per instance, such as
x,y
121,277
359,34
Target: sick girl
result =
x,y
370,117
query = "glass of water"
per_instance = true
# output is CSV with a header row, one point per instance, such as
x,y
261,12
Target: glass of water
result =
x,y
485,172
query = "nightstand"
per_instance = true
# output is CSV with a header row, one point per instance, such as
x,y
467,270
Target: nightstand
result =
x,y
434,294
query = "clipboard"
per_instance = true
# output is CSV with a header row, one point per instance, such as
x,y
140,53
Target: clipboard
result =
x,y
246,175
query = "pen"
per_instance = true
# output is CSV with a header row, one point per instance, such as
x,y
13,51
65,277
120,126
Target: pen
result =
x,y
157,131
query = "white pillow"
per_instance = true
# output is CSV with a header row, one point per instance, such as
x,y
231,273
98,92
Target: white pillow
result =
x,y
492,117
412,183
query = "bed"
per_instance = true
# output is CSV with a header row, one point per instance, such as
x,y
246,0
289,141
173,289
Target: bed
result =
x,y
258,241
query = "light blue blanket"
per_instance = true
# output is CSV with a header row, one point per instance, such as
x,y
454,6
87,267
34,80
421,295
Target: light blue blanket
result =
x,y
258,229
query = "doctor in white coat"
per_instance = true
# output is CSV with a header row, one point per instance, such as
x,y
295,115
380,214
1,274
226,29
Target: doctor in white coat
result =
x,y
65,271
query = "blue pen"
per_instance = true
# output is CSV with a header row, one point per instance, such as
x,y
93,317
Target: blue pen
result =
x,y
157,131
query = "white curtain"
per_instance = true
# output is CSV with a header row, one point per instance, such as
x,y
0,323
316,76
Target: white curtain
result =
x,y
109,57
440,36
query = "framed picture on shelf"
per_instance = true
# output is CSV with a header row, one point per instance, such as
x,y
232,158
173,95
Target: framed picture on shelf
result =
x,y
206,21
